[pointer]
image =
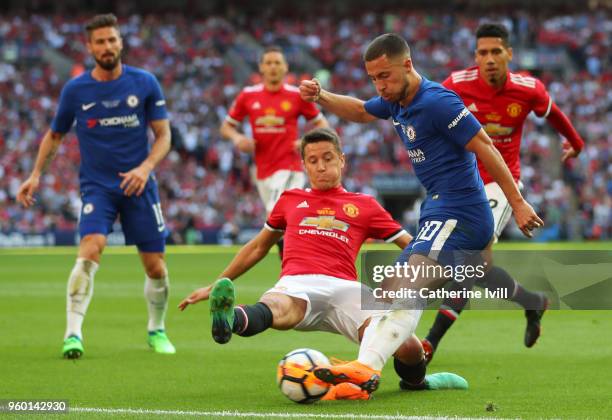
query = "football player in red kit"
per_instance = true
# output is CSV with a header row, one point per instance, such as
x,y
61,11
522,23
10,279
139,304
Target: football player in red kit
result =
x,y
324,228
501,101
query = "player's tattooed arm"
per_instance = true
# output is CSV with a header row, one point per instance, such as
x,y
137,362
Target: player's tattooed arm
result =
x,y
135,181
526,217
46,153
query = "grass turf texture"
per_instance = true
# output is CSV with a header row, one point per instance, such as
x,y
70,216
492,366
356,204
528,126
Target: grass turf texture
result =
x,y
566,375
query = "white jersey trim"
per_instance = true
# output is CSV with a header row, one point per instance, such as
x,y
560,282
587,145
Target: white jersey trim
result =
x,y
231,120
548,109
397,235
255,88
270,228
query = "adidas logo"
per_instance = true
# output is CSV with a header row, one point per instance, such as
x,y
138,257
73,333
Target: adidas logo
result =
x,y
256,105
473,107
303,205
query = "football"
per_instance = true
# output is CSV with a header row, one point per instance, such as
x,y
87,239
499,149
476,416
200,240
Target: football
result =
x,y
295,378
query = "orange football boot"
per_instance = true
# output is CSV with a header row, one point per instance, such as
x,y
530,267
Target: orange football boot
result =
x,y
346,391
354,372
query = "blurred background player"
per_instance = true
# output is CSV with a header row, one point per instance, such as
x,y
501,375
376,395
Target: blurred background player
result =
x,y
501,101
324,229
273,108
443,139
112,105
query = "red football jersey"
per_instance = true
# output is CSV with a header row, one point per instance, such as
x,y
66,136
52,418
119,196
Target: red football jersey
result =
x,y
501,112
324,230
273,117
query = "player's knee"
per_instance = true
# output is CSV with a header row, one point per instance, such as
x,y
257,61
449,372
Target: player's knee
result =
x,y
287,311
91,247
156,269
411,351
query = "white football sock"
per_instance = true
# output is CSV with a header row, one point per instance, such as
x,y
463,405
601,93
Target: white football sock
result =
x,y
78,295
385,334
156,295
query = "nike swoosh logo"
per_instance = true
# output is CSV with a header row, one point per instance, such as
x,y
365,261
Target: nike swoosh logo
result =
x,y
395,122
88,106
160,103
161,228
418,242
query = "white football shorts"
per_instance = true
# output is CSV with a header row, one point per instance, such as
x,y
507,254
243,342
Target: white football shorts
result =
x,y
272,187
333,304
499,206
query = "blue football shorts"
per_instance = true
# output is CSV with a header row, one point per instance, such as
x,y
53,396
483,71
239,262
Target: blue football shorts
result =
x,y
452,235
141,217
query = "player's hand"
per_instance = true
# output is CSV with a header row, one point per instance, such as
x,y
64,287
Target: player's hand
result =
x,y
135,181
195,297
526,218
244,144
310,90
568,151
27,190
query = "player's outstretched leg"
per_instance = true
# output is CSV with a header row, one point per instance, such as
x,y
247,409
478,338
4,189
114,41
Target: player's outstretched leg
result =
x,y
78,296
534,316
222,298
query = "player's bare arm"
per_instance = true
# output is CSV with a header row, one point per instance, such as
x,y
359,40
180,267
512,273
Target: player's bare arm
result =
x,y
134,181
403,241
46,153
249,255
346,107
573,143
241,142
525,216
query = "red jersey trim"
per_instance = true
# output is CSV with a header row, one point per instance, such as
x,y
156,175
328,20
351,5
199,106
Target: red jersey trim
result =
x,y
395,235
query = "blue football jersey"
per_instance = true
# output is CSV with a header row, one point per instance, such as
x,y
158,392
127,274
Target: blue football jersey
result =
x,y
111,123
435,127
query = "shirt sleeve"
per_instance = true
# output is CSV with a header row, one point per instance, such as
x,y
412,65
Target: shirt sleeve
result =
x,y
452,119
309,110
64,117
542,102
238,110
378,107
448,83
382,226
277,222
155,105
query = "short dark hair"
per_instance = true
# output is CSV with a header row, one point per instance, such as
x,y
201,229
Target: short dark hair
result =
x,y
269,49
391,45
321,134
101,21
494,30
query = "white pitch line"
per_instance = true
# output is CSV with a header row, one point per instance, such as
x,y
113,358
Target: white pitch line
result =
x,y
263,415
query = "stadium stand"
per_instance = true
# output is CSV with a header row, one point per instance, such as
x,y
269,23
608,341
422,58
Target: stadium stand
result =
x,y
203,63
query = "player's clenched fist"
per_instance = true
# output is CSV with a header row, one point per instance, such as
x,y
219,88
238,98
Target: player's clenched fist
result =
x,y
526,218
26,191
310,90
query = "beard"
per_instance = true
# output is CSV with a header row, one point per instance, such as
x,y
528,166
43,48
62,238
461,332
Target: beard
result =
x,y
108,63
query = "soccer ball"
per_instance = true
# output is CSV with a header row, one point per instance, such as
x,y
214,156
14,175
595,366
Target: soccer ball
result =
x,y
295,379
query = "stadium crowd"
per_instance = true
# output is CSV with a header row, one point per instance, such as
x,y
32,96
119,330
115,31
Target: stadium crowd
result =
x,y
203,176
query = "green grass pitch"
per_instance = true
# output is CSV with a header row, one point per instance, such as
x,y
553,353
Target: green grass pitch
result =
x,y
566,375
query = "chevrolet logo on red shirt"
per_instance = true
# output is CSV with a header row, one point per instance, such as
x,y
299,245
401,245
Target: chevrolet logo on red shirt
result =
x,y
325,223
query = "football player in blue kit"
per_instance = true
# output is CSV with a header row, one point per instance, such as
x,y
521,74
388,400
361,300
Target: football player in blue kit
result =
x,y
443,139
113,105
